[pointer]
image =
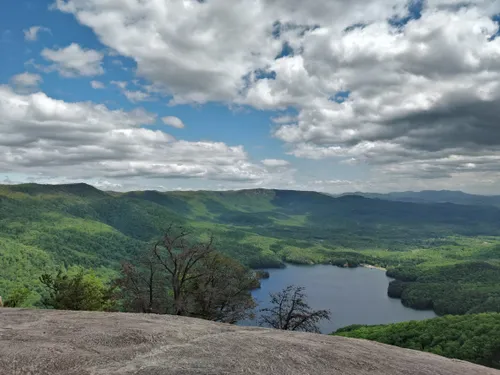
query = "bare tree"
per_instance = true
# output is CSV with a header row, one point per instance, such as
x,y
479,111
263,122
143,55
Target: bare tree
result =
x,y
222,293
291,312
179,257
183,276
143,285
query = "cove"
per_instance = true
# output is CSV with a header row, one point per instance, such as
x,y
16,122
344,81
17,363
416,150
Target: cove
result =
x,y
353,295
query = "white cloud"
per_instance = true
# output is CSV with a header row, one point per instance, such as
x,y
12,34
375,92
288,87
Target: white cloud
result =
x,y
284,119
133,96
136,96
120,84
31,34
40,135
173,121
26,80
275,163
97,85
412,95
74,60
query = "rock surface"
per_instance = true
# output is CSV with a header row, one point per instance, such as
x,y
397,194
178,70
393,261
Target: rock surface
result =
x,y
46,342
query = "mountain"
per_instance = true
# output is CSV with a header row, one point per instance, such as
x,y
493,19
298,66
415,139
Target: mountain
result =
x,y
436,196
68,342
44,227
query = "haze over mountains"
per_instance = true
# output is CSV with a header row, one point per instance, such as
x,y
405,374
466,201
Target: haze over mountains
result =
x,y
434,196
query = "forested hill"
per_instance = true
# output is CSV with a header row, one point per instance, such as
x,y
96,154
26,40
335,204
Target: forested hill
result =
x,y
474,338
45,226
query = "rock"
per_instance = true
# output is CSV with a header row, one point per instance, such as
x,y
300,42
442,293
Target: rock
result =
x,y
44,342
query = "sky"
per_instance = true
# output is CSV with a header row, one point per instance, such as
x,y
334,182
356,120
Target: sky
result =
x,y
324,95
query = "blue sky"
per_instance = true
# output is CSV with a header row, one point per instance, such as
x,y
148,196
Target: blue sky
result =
x,y
345,97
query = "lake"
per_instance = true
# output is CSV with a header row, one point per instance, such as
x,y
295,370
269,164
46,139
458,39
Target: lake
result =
x,y
353,295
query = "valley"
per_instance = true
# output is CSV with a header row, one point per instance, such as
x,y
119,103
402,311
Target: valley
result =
x,y
445,256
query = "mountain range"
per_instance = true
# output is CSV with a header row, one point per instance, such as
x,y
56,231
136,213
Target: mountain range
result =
x,y
44,227
434,196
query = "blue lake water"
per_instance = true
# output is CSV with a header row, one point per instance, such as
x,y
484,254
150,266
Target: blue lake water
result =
x,y
353,295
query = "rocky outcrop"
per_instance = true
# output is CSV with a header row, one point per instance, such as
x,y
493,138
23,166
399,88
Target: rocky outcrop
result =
x,y
46,342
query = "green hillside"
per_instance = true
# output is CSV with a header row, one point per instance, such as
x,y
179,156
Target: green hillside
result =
x,y
43,227
473,338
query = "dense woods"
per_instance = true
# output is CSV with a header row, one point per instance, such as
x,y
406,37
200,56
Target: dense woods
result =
x,y
474,338
77,290
44,228
178,276
468,287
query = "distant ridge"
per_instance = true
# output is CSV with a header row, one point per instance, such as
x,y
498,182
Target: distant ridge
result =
x,y
433,196
424,196
79,189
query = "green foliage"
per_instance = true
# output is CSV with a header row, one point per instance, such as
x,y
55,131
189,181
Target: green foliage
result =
x,y
17,298
46,227
21,266
474,338
261,274
78,290
459,288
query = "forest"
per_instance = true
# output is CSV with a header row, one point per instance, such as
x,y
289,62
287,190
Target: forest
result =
x,y
444,256
473,338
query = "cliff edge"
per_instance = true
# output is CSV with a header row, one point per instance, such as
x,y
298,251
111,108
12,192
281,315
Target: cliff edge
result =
x,y
51,342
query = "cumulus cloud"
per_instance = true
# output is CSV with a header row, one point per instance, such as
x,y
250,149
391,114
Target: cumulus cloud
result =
x,y
97,85
120,84
133,96
31,34
173,121
26,82
284,119
74,60
41,135
409,88
273,163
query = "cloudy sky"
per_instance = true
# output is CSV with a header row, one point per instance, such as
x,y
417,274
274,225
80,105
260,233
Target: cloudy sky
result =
x,y
328,95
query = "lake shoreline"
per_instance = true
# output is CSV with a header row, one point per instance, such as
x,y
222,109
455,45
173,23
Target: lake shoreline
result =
x,y
354,295
373,267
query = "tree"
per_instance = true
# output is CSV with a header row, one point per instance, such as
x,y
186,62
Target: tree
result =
x,y
178,257
17,297
143,286
222,292
77,291
181,276
291,312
